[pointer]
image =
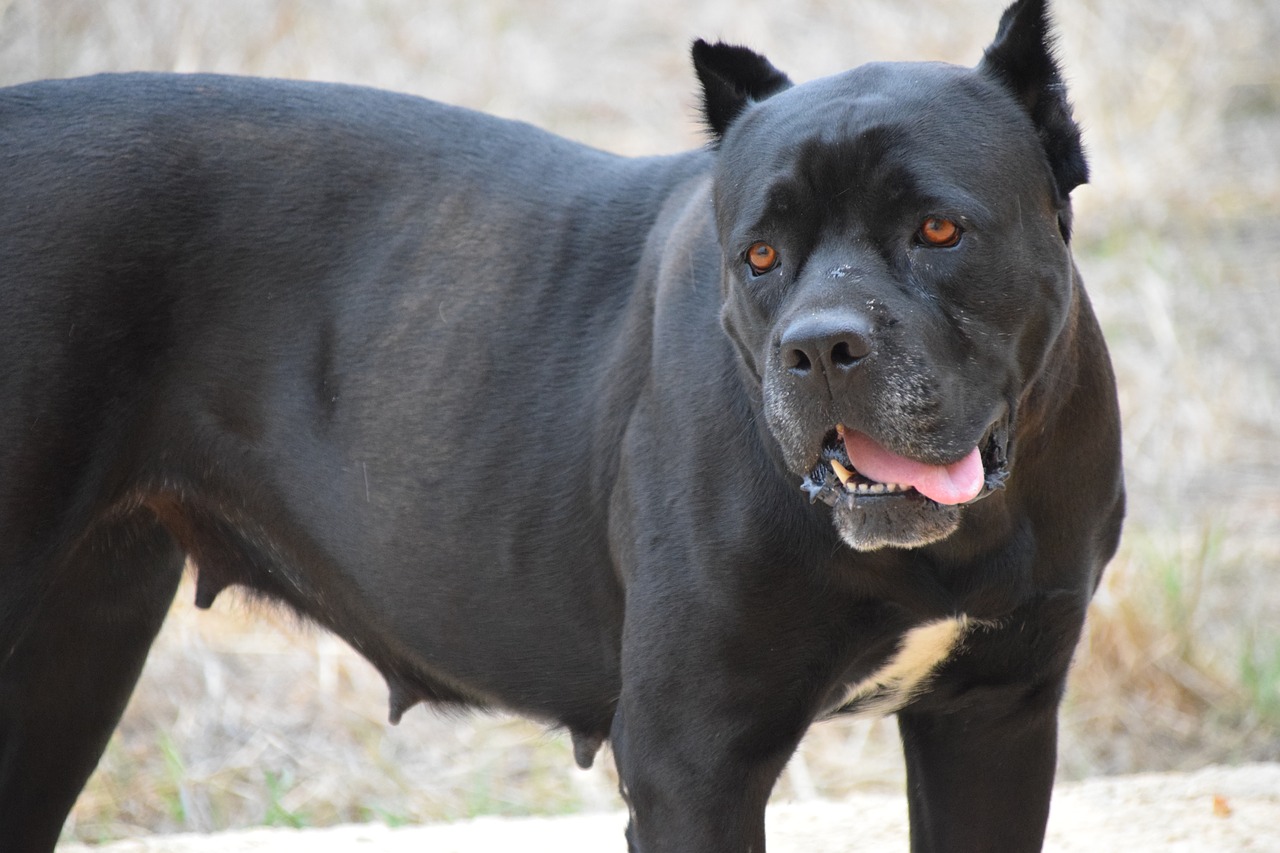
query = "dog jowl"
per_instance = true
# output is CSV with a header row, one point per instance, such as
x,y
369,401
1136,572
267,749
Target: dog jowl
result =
x,y
683,454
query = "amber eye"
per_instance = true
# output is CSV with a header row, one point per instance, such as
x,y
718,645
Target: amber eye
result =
x,y
940,233
762,257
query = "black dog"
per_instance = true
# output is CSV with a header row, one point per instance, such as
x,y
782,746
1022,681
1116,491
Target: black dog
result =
x,y
684,453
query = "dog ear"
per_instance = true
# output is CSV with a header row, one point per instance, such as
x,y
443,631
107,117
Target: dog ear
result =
x,y
732,77
1021,59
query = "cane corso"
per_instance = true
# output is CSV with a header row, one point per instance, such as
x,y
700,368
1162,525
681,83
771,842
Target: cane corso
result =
x,y
680,453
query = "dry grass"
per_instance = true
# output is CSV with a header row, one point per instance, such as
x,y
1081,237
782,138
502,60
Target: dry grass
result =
x,y
243,720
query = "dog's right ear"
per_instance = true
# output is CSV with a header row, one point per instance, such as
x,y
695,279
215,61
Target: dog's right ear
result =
x,y
732,77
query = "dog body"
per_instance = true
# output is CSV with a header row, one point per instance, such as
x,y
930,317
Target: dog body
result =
x,y
531,426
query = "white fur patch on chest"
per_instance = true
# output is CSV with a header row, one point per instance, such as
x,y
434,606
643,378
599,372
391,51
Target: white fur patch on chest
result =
x,y
906,673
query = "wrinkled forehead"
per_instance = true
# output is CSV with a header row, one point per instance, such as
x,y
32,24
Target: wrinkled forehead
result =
x,y
928,126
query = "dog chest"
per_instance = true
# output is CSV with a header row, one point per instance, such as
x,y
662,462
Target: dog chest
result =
x,y
906,673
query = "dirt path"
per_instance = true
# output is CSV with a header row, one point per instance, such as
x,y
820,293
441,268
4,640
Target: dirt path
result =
x,y
1215,810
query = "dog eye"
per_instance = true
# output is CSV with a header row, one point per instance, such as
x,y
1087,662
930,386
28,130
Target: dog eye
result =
x,y
939,233
762,257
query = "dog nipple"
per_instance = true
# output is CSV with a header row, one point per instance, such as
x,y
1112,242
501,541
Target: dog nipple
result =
x,y
585,747
403,697
207,588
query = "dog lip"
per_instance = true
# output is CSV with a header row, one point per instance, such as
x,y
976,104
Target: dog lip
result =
x,y
995,447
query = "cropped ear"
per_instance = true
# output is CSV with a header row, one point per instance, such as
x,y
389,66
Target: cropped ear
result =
x,y
732,77
1021,59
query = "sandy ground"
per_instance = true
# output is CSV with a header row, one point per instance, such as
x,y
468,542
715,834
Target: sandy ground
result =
x,y
1214,810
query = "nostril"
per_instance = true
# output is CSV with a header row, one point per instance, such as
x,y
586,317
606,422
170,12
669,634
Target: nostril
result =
x,y
798,362
847,353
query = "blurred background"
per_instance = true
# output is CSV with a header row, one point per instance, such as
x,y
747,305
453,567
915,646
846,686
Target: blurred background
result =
x,y
244,717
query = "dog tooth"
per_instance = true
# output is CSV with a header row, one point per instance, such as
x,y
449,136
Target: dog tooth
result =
x,y
842,472
878,488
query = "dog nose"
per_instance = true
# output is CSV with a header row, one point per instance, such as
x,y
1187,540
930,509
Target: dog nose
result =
x,y
829,342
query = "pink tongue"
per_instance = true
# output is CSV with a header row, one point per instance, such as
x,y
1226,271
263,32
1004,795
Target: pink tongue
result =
x,y
947,484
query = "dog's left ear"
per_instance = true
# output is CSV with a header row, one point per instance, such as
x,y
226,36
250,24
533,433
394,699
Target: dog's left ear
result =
x,y
732,77
1021,60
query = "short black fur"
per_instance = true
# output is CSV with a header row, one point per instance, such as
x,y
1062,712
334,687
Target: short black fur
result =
x,y
294,333
1021,57
732,77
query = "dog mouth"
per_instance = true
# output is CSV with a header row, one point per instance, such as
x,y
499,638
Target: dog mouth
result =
x,y
880,476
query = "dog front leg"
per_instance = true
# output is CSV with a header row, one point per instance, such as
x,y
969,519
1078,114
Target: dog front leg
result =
x,y
698,752
980,779
689,788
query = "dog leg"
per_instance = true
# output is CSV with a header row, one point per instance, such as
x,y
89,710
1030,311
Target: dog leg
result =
x,y
65,683
697,779
981,781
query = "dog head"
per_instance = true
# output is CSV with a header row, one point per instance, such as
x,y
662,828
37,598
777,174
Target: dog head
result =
x,y
896,266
